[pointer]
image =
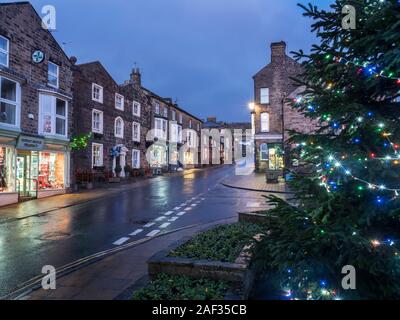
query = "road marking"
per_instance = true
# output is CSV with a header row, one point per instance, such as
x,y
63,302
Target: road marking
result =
x,y
164,225
136,232
160,219
149,224
183,204
120,241
181,213
194,205
177,208
168,213
188,209
152,233
173,219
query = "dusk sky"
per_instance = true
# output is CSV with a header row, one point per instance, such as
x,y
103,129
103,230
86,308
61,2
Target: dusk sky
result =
x,y
202,52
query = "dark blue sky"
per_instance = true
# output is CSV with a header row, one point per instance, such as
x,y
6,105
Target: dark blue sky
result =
x,y
203,52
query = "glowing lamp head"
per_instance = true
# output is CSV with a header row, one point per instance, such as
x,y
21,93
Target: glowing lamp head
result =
x,y
251,106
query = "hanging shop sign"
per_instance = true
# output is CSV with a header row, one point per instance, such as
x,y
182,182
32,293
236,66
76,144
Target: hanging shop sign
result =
x,y
30,143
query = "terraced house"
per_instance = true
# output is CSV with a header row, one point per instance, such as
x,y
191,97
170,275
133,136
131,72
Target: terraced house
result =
x,y
117,119
35,107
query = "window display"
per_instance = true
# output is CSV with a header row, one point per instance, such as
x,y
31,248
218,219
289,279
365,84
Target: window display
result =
x,y
51,170
7,169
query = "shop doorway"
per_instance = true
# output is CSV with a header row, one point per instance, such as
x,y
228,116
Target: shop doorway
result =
x,y
27,168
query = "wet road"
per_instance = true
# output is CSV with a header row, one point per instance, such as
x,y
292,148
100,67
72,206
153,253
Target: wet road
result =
x,y
68,234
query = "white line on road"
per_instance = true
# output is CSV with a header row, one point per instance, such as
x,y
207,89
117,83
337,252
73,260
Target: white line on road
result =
x,y
168,213
152,233
188,209
194,205
149,224
164,225
136,232
120,241
160,219
181,213
177,208
173,219
183,204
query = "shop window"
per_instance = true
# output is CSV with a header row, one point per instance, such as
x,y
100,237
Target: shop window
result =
x,y
264,122
7,169
136,109
9,102
119,101
135,159
51,171
97,121
4,51
158,156
264,152
53,116
136,132
97,155
53,75
119,127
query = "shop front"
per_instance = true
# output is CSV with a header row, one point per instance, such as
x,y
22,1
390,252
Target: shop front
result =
x,y
158,156
31,167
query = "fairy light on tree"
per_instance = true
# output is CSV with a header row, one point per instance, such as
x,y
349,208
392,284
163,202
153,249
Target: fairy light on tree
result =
x,y
348,207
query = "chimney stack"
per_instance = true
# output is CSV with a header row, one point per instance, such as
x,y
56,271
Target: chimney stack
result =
x,y
278,51
212,119
136,77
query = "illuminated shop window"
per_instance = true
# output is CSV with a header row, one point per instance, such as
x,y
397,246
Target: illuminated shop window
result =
x,y
51,170
7,169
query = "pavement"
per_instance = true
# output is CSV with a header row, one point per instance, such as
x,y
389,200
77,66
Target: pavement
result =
x,y
255,182
120,228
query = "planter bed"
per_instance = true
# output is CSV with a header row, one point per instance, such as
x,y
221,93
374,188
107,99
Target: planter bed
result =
x,y
221,254
174,287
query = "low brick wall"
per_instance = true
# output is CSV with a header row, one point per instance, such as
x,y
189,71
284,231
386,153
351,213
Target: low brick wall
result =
x,y
240,273
253,217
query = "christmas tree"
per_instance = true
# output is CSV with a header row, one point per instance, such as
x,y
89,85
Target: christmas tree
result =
x,y
346,206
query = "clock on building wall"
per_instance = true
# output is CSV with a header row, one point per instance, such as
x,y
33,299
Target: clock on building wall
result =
x,y
37,56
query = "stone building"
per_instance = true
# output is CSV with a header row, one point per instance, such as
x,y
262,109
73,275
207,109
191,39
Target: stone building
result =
x,y
35,107
271,115
176,132
115,116
229,138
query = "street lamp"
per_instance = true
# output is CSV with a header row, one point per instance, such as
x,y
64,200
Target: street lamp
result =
x,y
251,106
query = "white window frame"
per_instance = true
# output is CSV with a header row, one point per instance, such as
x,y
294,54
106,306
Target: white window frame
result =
x,y
133,131
179,130
139,107
261,152
138,158
100,99
54,116
6,52
16,103
57,75
198,126
173,115
162,131
165,112
100,130
265,122
157,108
119,97
181,118
190,124
264,95
122,128
101,151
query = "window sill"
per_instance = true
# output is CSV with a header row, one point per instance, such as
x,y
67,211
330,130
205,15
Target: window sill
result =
x,y
98,101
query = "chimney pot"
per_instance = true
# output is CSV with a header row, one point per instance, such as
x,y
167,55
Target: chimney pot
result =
x,y
278,50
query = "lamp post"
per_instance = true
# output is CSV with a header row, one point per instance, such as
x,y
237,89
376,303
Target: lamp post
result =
x,y
252,107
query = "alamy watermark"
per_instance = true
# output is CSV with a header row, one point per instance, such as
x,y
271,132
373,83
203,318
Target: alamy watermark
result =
x,y
49,280
349,20
49,19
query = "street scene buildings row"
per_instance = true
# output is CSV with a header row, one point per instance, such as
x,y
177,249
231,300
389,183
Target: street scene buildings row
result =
x,y
46,98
